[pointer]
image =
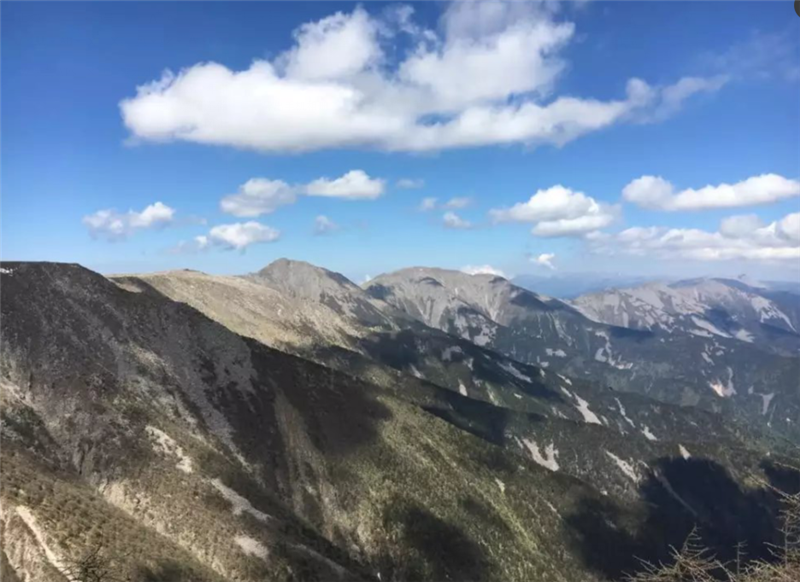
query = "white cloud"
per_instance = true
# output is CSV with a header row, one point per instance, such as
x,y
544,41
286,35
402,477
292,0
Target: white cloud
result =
x,y
545,260
761,56
482,270
740,226
657,193
559,211
258,196
789,227
354,185
427,204
336,47
453,220
241,235
324,225
672,97
410,183
739,237
457,202
196,245
113,225
487,77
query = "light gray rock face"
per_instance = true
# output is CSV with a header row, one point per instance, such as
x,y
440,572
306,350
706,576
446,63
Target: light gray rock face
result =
x,y
714,343
304,281
154,417
705,308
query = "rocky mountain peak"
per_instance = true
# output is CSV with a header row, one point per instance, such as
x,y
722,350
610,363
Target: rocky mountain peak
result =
x,y
304,280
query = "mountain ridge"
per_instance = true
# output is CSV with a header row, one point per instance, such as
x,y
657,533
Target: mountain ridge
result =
x,y
138,403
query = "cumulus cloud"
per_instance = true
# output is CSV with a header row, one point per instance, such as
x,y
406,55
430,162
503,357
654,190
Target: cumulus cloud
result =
x,y
454,221
482,270
354,185
545,260
672,97
487,76
410,183
241,235
427,204
559,211
739,237
455,203
324,225
260,196
113,225
657,193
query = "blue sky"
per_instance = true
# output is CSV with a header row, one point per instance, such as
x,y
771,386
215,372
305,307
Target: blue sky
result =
x,y
497,104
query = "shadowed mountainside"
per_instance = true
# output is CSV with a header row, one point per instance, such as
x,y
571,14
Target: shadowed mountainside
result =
x,y
192,452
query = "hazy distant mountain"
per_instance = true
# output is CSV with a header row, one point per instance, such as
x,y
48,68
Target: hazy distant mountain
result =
x,y
709,367
170,421
703,307
570,285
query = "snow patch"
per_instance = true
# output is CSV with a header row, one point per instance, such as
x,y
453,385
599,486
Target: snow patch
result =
x,y
744,335
684,453
765,400
548,461
767,310
648,435
512,369
416,372
622,412
625,467
5,271
588,416
500,484
557,353
605,355
709,327
462,389
700,333
724,390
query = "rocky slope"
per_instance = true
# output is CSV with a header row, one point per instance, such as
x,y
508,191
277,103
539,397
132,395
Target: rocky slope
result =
x,y
715,370
400,353
705,308
183,446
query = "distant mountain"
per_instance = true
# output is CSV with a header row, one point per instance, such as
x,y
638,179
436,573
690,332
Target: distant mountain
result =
x,y
703,307
788,286
708,367
571,285
287,425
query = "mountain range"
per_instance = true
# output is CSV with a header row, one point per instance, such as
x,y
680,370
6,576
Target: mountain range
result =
x,y
289,424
